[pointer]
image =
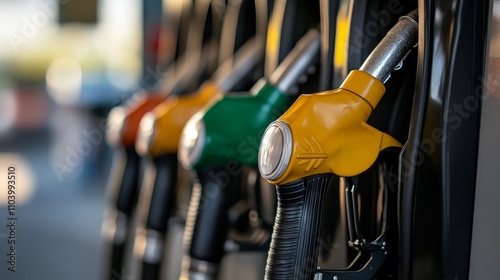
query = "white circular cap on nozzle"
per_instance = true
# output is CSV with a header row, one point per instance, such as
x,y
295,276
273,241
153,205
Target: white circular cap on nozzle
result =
x,y
275,150
116,121
145,135
192,141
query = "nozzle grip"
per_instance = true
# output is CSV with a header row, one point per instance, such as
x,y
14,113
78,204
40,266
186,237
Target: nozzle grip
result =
x,y
150,271
154,209
294,247
208,222
163,192
123,189
125,193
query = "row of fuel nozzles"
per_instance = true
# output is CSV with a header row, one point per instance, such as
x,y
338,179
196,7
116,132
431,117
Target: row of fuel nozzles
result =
x,y
302,143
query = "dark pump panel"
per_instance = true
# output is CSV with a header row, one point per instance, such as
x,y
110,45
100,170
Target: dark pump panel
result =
x,y
80,11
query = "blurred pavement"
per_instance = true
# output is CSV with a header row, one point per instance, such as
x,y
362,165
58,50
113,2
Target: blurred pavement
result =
x,y
58,229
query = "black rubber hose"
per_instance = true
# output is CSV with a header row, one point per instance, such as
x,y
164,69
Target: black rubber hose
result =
x,y
123,192
207,223
155,206
164,192
294,247
129,186
116,261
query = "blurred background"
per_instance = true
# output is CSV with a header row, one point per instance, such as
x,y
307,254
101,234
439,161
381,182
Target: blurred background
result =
x,y
63,65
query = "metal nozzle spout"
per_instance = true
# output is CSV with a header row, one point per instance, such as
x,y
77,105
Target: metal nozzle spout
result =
x,y
297,61
187,68
393,48
232,71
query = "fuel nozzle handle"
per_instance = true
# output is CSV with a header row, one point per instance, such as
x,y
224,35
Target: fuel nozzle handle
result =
x,y
207,222
333,125
154,209
255,111
297,62
393,48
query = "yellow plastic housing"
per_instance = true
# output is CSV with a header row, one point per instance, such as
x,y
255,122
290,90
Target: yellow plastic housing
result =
x,y
330,133
170,118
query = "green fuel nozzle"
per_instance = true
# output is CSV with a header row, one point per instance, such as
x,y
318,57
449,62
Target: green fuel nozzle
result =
x,y
231,128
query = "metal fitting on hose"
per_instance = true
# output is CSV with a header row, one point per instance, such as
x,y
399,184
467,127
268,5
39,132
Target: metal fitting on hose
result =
x,y
149,245
393,48
193,269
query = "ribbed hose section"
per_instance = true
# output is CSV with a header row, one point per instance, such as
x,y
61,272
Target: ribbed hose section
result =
x,y
294,247
189,228
191,216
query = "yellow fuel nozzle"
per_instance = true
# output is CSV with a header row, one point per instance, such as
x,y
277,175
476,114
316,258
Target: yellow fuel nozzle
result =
x,y
160,129
337,139
327,132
